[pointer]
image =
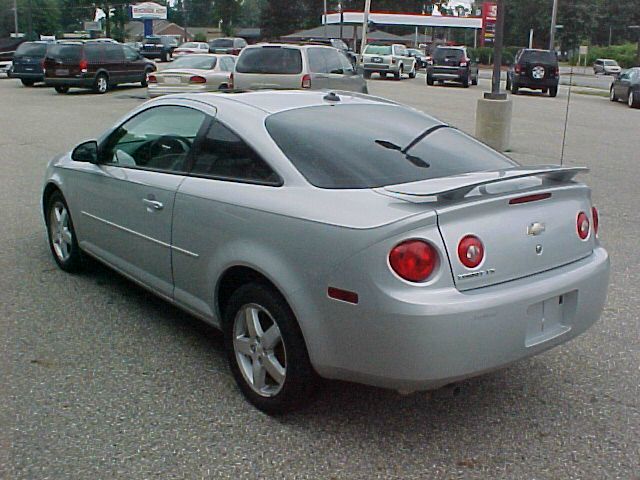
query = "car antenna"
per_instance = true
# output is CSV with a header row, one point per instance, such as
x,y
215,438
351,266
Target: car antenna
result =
x,y
566,116
331,97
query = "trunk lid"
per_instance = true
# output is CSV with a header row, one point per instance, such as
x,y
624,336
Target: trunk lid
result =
x,y
520,238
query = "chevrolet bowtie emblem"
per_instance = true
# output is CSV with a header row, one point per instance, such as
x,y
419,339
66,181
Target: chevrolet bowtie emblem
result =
x,y
535,228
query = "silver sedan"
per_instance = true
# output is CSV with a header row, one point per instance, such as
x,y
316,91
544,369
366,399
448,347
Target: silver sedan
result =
x,y
193,73
333,234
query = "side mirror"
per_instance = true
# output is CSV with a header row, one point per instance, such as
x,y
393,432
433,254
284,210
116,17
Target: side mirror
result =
x,y
86,152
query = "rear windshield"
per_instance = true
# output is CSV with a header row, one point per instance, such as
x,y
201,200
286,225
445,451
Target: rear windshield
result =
x,y
274,60
368,146
153,41
198,62
378,49
222,42
538,56
29,49
448,53
65,53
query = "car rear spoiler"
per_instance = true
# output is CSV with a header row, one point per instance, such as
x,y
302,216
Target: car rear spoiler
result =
x,y
458,186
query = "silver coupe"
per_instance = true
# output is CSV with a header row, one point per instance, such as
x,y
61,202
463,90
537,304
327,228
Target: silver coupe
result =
x,y
333,234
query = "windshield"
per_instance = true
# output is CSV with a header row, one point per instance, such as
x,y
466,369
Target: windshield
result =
x,y
153,41
198,62
378,49
222,42
368,146
29,49
611,63
274,60
449,54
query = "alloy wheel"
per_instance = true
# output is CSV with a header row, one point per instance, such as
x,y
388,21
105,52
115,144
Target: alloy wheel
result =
x,y
60,232
102,84
259,350
631,101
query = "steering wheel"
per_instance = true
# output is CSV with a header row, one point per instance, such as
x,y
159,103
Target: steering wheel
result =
x,y
169,145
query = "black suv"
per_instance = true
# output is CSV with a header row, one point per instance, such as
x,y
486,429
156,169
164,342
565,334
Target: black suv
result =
x,y
452,63
28,62
534,69
229,46
159,47
95,65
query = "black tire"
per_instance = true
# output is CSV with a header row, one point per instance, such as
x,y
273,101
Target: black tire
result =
x,y
508,85
474,80
164,57
74,261
465,81
553,92
633,100
145,78
300,380
429,80
27,83
514,88
101,83
61,88
398,75
412,73
366,74
612,95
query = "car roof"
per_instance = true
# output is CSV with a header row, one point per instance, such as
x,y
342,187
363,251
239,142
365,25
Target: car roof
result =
x,y
274,101
289,45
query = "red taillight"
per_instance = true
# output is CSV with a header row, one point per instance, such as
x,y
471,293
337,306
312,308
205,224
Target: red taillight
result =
x,y
596,219
582,225
557,71
470,251
197,79
306,81
152,79
83,65
413,260
235,51
518,69
463,63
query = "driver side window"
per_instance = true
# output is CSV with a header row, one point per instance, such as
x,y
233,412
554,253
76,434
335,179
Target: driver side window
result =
x,y
159,138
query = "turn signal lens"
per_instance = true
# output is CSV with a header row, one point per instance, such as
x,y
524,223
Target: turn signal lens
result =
x,y
152,79
582,225
197,79
306,81
470,251
596,219
413,260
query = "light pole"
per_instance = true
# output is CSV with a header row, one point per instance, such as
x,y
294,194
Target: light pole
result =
x,y
15,16
552,34
637,29
325,19
365,25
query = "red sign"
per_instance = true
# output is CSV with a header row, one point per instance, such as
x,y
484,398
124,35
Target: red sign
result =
x,y
489,15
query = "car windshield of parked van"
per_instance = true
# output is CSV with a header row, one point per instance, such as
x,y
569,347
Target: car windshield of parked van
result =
x,y
197,62
65,52
378,50
29,49
270,59
368,146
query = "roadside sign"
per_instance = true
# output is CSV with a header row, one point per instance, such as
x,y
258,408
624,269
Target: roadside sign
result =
x,y
584,50
92,27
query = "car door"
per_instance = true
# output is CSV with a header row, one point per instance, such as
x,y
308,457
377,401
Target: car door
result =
x,y
622,85
318,68
342,75
114,63
127,199
400,52
226,173
134,65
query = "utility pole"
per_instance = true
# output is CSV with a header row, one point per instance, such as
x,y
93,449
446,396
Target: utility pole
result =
x,y
552,34
341,18
184,22
15,16
324,19
531,38
30,20
365,25
636,28
497,51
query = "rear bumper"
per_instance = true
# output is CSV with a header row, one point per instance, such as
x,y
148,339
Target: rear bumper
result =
x,y
153,54
380,67
410,343
447,73
36,77
82,82
526,82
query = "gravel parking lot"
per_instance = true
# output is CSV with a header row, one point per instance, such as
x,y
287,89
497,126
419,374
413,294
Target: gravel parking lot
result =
x,y
102,380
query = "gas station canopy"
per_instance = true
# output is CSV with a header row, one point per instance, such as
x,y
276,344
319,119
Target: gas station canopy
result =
x,y
416,20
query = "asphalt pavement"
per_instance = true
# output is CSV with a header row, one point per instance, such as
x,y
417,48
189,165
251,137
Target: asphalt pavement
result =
x,y
102,380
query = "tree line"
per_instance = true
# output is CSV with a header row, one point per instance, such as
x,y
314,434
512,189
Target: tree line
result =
x,y
597,22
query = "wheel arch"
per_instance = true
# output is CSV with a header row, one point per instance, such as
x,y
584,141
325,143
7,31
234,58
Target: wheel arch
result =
x,y
50,188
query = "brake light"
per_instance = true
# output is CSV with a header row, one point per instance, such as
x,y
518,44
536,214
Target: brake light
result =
x,y
235,51
152,79
197,79
83,65
463,63
529,198
582,225
557,71
413,260
596,219
306,81
518,69
470,251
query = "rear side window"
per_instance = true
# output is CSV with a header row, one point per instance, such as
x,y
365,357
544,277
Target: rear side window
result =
x,y
93,53
538,56
449,54
29,49
378,49
113,53
368,146
274,60
65,53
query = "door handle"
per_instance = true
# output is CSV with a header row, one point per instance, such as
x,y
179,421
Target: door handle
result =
x,y
152,204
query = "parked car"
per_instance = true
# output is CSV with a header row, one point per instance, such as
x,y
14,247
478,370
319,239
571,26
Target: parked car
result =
x,y
95,65
190,48
452,63
161,47
278,66
606,66
385,59
627,88
135,45
193,73
232,46
342,235
28,62
420,56
336,43
536,70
